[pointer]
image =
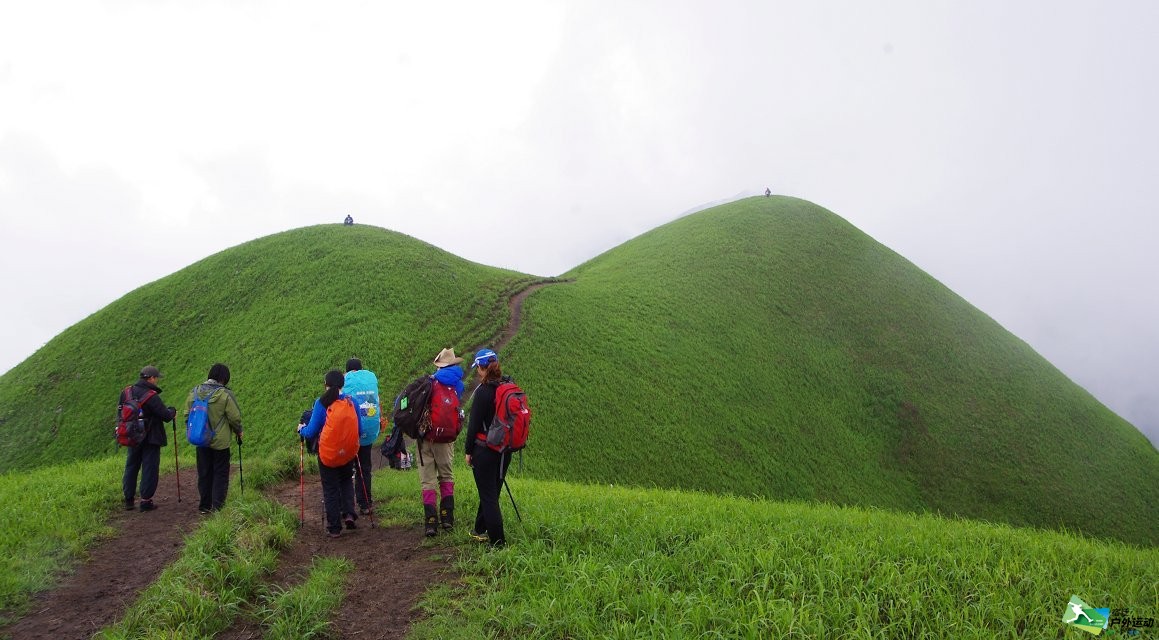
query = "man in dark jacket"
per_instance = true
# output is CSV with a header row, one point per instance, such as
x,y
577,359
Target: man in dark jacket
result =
x,y
145,458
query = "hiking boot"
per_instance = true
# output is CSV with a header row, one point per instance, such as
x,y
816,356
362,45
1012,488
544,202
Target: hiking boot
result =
x,y
334,534
130,505
365,511
349,522
147,505
479,537
447,512
432,521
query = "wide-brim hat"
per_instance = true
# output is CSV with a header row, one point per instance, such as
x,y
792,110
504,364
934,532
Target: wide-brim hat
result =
x,y
447,358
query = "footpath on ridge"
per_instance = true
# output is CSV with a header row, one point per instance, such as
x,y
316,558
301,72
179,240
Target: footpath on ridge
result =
x,y
392,567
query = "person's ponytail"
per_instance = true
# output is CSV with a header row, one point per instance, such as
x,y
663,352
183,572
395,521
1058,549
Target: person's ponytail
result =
x,y
334,382
492,372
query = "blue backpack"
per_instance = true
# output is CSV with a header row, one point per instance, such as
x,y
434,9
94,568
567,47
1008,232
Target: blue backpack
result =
x,y
362,387
197,429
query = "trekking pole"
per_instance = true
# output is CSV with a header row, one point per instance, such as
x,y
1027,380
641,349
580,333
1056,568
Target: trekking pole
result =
x,y
240,466
512,500
365,493
503,478
302,479
176,464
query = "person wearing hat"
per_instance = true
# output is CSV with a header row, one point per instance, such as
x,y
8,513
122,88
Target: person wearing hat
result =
x,y
362,385
225,419
487,465
435,458
145,458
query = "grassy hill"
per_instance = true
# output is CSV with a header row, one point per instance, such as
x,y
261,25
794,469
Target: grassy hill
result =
x,y
769,348
763,348
280,311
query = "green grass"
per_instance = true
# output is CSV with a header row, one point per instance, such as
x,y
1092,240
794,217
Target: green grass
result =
x,y
757,353
763,348
616,562
769,348
280,311
48,517
304,611
221,569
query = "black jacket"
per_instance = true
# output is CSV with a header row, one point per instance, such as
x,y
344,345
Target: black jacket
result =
x,y
482,413
155,412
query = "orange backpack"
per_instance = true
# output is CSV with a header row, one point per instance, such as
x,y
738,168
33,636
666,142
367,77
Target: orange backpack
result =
x,y
338,443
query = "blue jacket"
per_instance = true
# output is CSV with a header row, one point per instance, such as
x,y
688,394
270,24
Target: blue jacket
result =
x,y
317,419
452,376
362,386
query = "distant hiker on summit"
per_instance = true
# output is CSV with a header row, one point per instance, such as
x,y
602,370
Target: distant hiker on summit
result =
x,y
149,415
362,386
349,220
334,421
222,418
768,192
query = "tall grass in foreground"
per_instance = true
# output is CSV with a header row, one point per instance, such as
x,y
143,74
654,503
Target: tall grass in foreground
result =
x,y
597,561
219,571
47,518
304,611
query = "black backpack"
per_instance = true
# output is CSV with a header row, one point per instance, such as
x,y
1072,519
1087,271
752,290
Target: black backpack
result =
x,y
411,407
311,443
393,446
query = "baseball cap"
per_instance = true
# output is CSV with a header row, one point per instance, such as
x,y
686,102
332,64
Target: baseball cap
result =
x,y
484,357
150,372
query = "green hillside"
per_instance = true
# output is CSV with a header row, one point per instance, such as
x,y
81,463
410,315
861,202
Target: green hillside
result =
x,y
279,311
763,348
769,348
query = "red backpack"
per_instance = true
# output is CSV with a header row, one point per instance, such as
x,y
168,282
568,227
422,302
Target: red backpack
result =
x,y
509,429
130,430
445,418
338,442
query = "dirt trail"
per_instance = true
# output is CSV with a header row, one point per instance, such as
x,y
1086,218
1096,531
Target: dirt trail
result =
x,y
99,591
516,307
392,567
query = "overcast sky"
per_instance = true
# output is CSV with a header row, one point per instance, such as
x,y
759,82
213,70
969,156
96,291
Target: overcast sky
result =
x,y
1008,148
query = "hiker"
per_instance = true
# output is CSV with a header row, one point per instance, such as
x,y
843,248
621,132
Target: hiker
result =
x,y
437,448
487,465
213,460
349,220
145,458
362,386
768,192
337,479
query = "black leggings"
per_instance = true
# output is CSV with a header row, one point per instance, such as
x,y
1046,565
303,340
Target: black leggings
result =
x,y
489,468
337,494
